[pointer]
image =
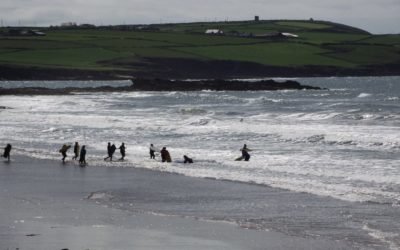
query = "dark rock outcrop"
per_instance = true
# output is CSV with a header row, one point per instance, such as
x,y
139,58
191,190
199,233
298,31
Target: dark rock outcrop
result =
x,y
168,85
217,85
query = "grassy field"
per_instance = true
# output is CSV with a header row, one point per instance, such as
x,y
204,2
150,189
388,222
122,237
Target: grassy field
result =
x,y
319,43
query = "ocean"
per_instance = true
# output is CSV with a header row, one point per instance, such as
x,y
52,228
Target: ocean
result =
x,y
342,142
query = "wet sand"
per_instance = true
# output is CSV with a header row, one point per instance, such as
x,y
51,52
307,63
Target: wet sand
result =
x,y
44,205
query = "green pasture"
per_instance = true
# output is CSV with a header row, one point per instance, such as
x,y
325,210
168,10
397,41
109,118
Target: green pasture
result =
x,y
324,37
366,54
304,25
383,39
103,49
278,54
245,27
260,27
81,58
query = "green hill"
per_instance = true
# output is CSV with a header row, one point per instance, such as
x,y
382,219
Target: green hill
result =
x,y
246,48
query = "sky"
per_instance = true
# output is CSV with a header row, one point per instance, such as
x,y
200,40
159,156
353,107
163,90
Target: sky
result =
x,y
375,16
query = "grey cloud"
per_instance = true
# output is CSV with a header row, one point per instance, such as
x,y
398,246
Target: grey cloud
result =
x,y
375,16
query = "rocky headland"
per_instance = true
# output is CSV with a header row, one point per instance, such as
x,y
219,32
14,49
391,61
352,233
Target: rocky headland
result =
x,y
168,85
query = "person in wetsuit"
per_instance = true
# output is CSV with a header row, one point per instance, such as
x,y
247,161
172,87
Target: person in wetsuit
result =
x,y
152,151
82,158
245,152
7,151
122,151
112,151
187,159
108,151
76,151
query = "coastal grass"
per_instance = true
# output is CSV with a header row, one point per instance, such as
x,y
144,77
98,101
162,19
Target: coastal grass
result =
x,y
319,43
305,25
383,39
274,53
366,54
320,38
80,58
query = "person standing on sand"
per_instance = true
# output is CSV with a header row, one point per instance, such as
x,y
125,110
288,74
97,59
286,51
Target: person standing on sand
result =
x,y
165,156
152,151
122,151
76,151
7,151
82,158
63,151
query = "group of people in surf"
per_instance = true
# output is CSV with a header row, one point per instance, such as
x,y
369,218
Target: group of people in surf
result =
x,y
78,152
82,152
166,157
111,150
164,153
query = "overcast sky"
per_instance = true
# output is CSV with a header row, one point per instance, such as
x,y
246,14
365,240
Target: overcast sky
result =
x,y
376,16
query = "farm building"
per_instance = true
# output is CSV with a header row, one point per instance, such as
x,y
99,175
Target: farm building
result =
x,y
214,32
278,35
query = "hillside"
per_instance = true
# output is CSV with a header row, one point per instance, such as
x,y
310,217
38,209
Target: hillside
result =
x,y
245,49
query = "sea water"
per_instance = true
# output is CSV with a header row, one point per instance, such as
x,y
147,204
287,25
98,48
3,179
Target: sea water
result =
x,y
341,142
63,84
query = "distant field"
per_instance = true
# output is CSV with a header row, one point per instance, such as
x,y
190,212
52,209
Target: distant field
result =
x,y
274,53
383,39
306,25
319,43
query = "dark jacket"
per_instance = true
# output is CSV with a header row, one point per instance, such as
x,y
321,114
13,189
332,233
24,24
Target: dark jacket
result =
x,y
7,151
187,159
82,154
112,149
165,156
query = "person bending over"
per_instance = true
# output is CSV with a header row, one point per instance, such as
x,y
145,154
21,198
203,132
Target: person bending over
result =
x,y
187,159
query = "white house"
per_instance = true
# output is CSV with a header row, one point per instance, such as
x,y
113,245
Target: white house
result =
x,y
289,35
214,32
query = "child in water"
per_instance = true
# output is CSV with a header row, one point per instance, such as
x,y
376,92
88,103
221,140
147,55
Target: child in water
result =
x,y
152,151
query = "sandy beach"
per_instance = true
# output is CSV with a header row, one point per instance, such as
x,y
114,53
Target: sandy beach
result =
x,y
45,205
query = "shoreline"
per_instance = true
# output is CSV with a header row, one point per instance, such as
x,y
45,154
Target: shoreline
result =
x,y
44,205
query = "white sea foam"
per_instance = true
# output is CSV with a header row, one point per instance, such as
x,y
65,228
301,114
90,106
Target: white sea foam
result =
x,y
384,237
99,196
364,95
